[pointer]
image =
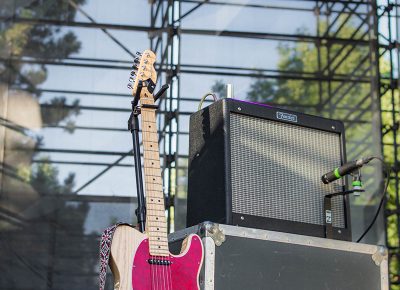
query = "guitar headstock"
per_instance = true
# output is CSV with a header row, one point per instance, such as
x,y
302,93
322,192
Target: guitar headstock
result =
x,y
143,70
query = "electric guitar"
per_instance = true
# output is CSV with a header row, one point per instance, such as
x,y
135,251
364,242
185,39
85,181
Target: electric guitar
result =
x,y
142,261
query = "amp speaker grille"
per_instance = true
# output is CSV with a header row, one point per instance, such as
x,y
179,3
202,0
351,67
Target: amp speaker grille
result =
x,y
276,170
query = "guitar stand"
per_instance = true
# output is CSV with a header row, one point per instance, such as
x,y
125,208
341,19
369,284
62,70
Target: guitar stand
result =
x,y
133,126
328,210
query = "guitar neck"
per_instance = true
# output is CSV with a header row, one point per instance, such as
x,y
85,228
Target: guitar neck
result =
x,y
156,226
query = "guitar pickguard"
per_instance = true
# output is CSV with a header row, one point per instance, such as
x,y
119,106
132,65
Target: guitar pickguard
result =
x,y
170,272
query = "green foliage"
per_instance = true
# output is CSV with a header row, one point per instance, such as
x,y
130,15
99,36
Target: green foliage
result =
x,y
19,40
342,99
44,179
59,111
219,88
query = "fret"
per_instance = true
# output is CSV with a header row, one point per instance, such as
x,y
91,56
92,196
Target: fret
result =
x,y
154,194
152,171
148,115
156,218
154,205
157,182
163,253
154,187
156,240
153,137
157,243
161,213
154,180
156,227
156,224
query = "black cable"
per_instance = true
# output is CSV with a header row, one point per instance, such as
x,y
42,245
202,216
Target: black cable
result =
x,y
388,171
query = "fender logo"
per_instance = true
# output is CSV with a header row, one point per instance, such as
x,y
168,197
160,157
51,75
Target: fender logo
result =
x,y
286,117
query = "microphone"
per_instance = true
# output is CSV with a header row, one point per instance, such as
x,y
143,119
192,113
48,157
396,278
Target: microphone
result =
x,y
344,170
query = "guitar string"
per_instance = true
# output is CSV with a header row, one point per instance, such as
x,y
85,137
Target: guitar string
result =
x,y
168,265
162,269
155,274
166,272
169,271
151,269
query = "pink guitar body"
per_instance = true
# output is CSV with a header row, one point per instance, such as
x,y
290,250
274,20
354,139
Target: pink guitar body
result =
x,y
135,269
179,272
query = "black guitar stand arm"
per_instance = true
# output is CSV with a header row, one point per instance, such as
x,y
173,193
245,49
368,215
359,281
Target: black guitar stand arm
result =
x,y
133,127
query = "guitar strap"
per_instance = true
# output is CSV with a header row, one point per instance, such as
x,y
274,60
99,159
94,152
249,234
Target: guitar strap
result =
x,y
105,249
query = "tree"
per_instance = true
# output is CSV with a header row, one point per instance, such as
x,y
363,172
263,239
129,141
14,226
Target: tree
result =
x,y
302,57
48,245
19,41
342,100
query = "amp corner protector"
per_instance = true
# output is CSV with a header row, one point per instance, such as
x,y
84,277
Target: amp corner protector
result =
x,y
380,255
212,230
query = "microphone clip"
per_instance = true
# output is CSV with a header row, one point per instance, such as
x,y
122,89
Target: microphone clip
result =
x,y
356,182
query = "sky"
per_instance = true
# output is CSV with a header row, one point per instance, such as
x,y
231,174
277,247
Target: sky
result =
x,y
206,50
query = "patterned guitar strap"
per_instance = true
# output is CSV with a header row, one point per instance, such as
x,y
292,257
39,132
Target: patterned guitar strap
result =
x,y
105,249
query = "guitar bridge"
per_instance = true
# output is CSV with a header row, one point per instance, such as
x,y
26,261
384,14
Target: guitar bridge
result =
x,y
159,262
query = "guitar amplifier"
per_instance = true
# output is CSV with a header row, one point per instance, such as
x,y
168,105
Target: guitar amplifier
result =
x,y
238,258
259,166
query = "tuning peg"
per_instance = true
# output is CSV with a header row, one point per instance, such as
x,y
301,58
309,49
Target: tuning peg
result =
x,y
138,53
131,79
130,86
136,60
133,73
134,66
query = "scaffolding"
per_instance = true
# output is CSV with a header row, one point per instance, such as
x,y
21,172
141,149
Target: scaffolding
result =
x,y
346,32
388,16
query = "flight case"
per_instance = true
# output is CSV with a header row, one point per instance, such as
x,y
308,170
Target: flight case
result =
x,y
238,258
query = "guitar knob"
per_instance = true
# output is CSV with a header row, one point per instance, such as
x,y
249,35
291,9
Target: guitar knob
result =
x,y
130,86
